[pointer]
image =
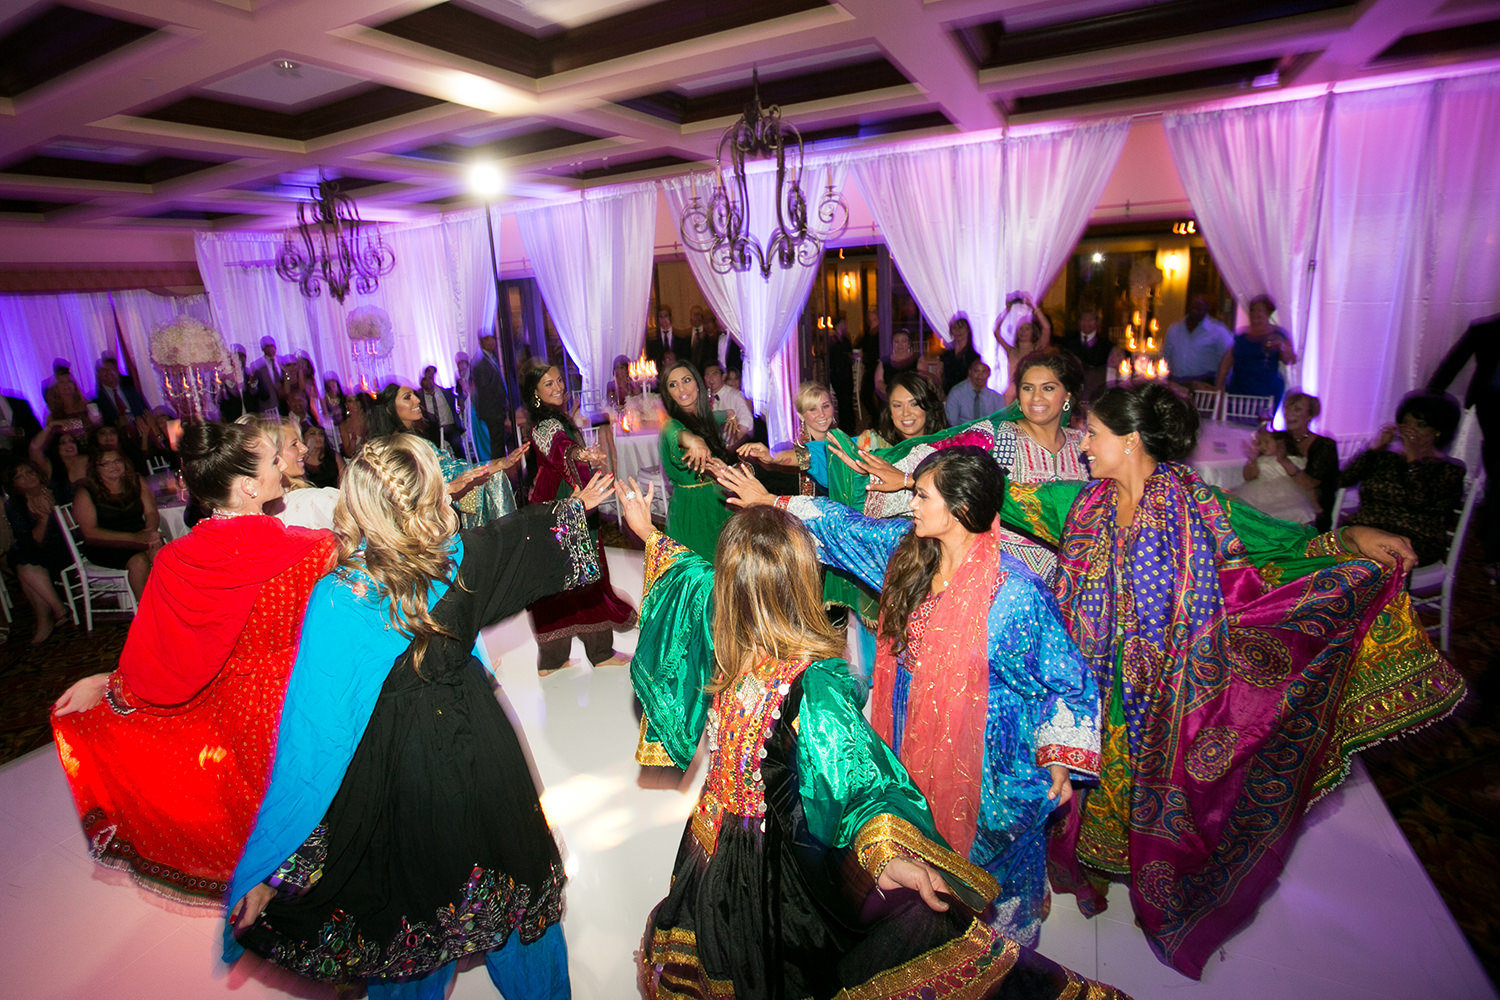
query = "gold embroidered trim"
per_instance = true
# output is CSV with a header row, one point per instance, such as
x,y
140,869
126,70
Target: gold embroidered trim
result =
x,y
661,553
1025,497
650,752
885,836
956,963
676,952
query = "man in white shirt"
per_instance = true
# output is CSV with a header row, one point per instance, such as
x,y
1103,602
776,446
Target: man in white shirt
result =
x,y
440,409
973,398
1195,345
723,396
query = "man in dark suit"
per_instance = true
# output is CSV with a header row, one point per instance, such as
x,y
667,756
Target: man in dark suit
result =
x,y
491,404
439,411
119,405
1091,346
237,394
18,426
270,380
1481,341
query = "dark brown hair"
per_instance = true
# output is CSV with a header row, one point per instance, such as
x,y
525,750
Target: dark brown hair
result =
x,y
214,456
972,485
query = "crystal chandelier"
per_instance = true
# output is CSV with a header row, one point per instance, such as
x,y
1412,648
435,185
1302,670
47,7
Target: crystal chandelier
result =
x,y
334,247
721,228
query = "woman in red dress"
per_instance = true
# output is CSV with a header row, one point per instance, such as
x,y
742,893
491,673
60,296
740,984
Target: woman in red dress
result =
x,y
563,466
168,756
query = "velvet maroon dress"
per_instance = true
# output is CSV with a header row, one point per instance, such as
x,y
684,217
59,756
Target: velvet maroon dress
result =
x,y
597,607
168,770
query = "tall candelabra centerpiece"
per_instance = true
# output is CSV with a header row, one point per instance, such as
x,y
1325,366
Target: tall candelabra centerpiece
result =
x,y
192,360
1143,353
371,340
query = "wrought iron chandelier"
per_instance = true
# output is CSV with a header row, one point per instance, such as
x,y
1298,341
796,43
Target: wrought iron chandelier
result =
x,y
335,249
721,227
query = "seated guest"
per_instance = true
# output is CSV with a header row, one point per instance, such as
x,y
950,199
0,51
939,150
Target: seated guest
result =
x,y
38,552
322,465
108,438
118,404
168,756
64,399
64,462
1194,346
1416,490
728,399
972,399
1271,478
302,505
621,386
1320,474
18,425
959,355
117,517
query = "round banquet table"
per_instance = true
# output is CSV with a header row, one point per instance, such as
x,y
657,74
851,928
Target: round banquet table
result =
x,y
1220,455
637,454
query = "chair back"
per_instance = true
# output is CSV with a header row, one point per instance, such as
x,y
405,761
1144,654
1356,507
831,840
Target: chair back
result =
x,y
1208,402
65,517
1473,490
1466,443
157,464
1246,409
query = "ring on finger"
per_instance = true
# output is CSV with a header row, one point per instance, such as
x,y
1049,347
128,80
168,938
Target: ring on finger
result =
x,y
630,495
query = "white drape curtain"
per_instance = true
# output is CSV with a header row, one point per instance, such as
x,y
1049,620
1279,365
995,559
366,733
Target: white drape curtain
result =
x,y
969,224
761,312
36,329
593,257
1368,215
1254,177
440,294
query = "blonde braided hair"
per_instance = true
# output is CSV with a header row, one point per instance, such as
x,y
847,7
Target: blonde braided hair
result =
x,y
394,522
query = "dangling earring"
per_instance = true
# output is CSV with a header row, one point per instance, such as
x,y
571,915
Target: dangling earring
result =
x,y
1067,404
536,401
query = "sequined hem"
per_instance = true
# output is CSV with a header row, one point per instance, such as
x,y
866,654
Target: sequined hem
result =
x,y
1078,761
304,868
1103,836
569,631
111,851
885,836
489,907
649,751
966,968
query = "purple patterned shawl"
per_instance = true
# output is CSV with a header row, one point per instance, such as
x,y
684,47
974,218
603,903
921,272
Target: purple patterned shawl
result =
x,y
1229,689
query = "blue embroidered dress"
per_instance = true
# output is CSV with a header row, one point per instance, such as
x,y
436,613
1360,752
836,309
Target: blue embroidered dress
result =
x,y
1043,704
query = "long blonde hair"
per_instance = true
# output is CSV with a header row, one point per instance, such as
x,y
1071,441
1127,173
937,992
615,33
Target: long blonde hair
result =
x,y
279,430
393,521
768,596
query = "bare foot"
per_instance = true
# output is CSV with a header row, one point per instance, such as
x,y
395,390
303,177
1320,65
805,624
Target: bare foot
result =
x,y
615,660
548,673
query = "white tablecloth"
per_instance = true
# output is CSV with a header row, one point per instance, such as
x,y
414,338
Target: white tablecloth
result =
x,y
1220,455
172,523
637,454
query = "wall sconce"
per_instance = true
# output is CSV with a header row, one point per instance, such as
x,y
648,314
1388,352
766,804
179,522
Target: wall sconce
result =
x,y
847,283
1171,262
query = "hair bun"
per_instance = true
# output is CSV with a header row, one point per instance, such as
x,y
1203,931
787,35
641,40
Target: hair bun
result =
x,y
1172,426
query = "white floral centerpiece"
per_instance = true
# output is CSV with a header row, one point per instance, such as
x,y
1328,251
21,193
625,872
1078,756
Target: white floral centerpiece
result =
x,y
371,339
193,360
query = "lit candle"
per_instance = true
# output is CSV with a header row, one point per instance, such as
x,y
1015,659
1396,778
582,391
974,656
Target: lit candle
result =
x,y
1125,368
1162,371
1151,341
1130,340
1153,324
1135,318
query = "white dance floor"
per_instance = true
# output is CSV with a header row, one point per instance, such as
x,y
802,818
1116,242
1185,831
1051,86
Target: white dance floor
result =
x,y
1354,915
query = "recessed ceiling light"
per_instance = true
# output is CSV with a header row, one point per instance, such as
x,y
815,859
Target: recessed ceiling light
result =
x,y
285,67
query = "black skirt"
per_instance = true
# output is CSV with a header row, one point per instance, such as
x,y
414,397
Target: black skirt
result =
x,y
434,847
772,913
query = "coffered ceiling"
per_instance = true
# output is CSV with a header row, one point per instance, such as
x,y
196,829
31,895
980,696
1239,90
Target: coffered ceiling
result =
x,y
219,113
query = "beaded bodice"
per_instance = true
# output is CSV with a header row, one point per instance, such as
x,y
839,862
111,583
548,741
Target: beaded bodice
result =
x,y
739,723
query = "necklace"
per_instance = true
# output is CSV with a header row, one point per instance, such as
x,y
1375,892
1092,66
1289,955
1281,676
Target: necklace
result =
x,y
220,514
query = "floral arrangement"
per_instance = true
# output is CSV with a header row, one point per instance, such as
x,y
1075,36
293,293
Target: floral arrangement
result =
x,y
370,332
188,341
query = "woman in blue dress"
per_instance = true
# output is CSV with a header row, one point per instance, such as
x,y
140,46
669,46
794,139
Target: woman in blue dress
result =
x,y
977,686
1252,365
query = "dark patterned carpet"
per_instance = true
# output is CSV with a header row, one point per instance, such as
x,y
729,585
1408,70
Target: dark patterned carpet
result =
x,y
1442,784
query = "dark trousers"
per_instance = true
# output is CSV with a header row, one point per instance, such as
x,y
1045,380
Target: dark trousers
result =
x,y
553,653
1487,409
